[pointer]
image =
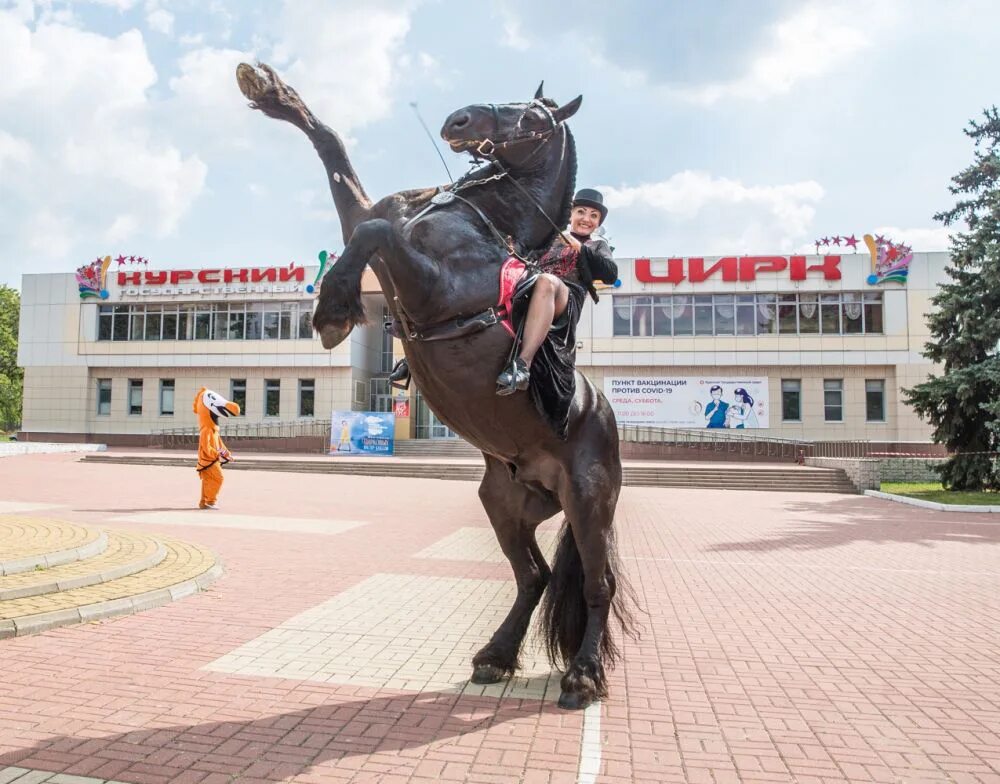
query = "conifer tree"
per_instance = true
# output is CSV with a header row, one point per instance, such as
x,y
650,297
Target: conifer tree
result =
x,y
963,402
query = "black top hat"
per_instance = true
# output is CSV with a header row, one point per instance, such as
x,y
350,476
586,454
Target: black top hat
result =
x,y
589,197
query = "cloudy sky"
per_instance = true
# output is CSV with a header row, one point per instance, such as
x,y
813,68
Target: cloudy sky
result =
x,y
712,127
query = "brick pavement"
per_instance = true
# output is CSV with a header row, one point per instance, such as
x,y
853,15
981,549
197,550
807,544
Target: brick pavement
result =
x,y
787,638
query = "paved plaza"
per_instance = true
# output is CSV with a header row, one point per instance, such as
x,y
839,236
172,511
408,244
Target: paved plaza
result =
x,y
785,638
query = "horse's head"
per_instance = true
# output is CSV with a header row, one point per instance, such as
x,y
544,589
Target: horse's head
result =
x,y
512,132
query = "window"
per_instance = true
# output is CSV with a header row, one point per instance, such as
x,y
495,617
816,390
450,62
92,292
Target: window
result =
x,y
787,321
875,400
791,400
135,396
837,313
833,399
703,314
104,396
808,314
873,312
166,397
307,397
154,321
238,393
385,353
272,396
105,322
210,321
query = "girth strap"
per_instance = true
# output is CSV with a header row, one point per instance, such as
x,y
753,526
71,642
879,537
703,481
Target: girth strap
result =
x,y
446,330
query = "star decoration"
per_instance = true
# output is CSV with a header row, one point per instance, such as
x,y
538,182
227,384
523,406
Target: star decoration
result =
x,y
879,239
97,261
131,259
851,242
893,253
826,241
120,260
836,241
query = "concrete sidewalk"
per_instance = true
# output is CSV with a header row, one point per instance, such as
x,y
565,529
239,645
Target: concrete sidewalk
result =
x,y
786,637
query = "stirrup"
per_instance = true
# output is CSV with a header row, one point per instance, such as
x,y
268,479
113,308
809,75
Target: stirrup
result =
x,y
514,378
399,378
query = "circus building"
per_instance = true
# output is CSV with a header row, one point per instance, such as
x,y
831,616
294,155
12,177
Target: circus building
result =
x,y
809,347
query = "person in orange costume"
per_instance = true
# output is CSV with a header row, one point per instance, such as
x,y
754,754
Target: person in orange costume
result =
x,y
212,452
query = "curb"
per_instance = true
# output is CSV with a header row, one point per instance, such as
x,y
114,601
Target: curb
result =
x,y
46,560
124,570
964,508
30,624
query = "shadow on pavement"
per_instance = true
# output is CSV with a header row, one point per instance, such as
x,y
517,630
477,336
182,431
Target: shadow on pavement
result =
x,y
273,748
848,520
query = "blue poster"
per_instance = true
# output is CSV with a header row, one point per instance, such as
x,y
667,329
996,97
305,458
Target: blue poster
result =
x,y
361,433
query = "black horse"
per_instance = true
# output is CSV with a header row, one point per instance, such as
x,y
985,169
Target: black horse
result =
x,y
438,266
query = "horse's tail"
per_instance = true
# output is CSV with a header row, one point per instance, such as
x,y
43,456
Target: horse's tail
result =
x,y
564,608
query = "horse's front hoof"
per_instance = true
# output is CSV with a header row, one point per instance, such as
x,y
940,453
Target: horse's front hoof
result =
x,y
488,673
571,700
252,85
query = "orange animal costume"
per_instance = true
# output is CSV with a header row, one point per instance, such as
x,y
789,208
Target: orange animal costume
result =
x,y
212,453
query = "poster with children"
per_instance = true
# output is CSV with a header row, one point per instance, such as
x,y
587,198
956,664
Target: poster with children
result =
x,y
731,403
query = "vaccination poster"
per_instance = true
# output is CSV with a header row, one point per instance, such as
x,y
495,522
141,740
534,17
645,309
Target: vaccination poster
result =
x,y
730,403
361,433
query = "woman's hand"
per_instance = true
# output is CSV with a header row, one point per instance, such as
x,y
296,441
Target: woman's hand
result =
x,y
574,243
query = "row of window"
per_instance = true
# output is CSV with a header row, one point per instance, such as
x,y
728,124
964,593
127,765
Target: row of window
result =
x,y
206,321
836,313
833,400
237,393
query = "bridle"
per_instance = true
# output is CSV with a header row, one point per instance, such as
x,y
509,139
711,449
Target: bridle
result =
x,y
486,149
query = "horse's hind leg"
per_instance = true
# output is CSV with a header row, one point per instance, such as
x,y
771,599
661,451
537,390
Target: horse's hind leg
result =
x,y
514,510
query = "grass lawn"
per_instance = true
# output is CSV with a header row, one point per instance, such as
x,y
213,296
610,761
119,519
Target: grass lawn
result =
x,y
932,491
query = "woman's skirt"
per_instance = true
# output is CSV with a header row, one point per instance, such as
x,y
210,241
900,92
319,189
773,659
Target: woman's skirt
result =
x,y
553,370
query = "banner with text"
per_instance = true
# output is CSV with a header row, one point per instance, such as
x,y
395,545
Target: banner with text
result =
x,y
689,401
361,433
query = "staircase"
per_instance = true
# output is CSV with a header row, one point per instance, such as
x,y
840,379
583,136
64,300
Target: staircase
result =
x,y
55,573
716,476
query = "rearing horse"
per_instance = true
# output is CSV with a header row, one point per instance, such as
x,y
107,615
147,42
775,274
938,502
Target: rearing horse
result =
x,y
438,266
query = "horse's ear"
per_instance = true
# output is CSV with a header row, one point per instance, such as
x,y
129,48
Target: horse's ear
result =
x,y
563,113
538,93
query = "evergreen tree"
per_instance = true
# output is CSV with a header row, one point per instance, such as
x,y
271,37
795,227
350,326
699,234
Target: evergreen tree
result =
x,y
963,404
11,376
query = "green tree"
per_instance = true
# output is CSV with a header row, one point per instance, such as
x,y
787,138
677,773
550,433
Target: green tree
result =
x,y
963,403
11,376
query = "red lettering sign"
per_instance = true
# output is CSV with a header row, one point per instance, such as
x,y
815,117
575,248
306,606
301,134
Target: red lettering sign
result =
x,y
285,274
258,275
129,278
743,269
242,275
208,276
697,272
179,276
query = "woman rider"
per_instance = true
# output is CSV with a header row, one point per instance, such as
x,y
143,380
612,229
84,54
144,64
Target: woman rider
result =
x,y
568,272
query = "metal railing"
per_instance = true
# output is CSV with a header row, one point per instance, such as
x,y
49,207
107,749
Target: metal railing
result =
x,y
236,431
710,439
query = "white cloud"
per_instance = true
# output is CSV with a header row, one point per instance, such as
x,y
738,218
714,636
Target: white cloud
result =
x,y
13,150
815,40
160,20
693,211
341,56
101,169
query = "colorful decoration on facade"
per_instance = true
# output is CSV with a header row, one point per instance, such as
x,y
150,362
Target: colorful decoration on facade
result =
x,y
92,278
837,240
323,258
890,260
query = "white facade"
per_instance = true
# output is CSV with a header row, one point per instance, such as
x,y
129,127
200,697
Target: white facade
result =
x,y
69,361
